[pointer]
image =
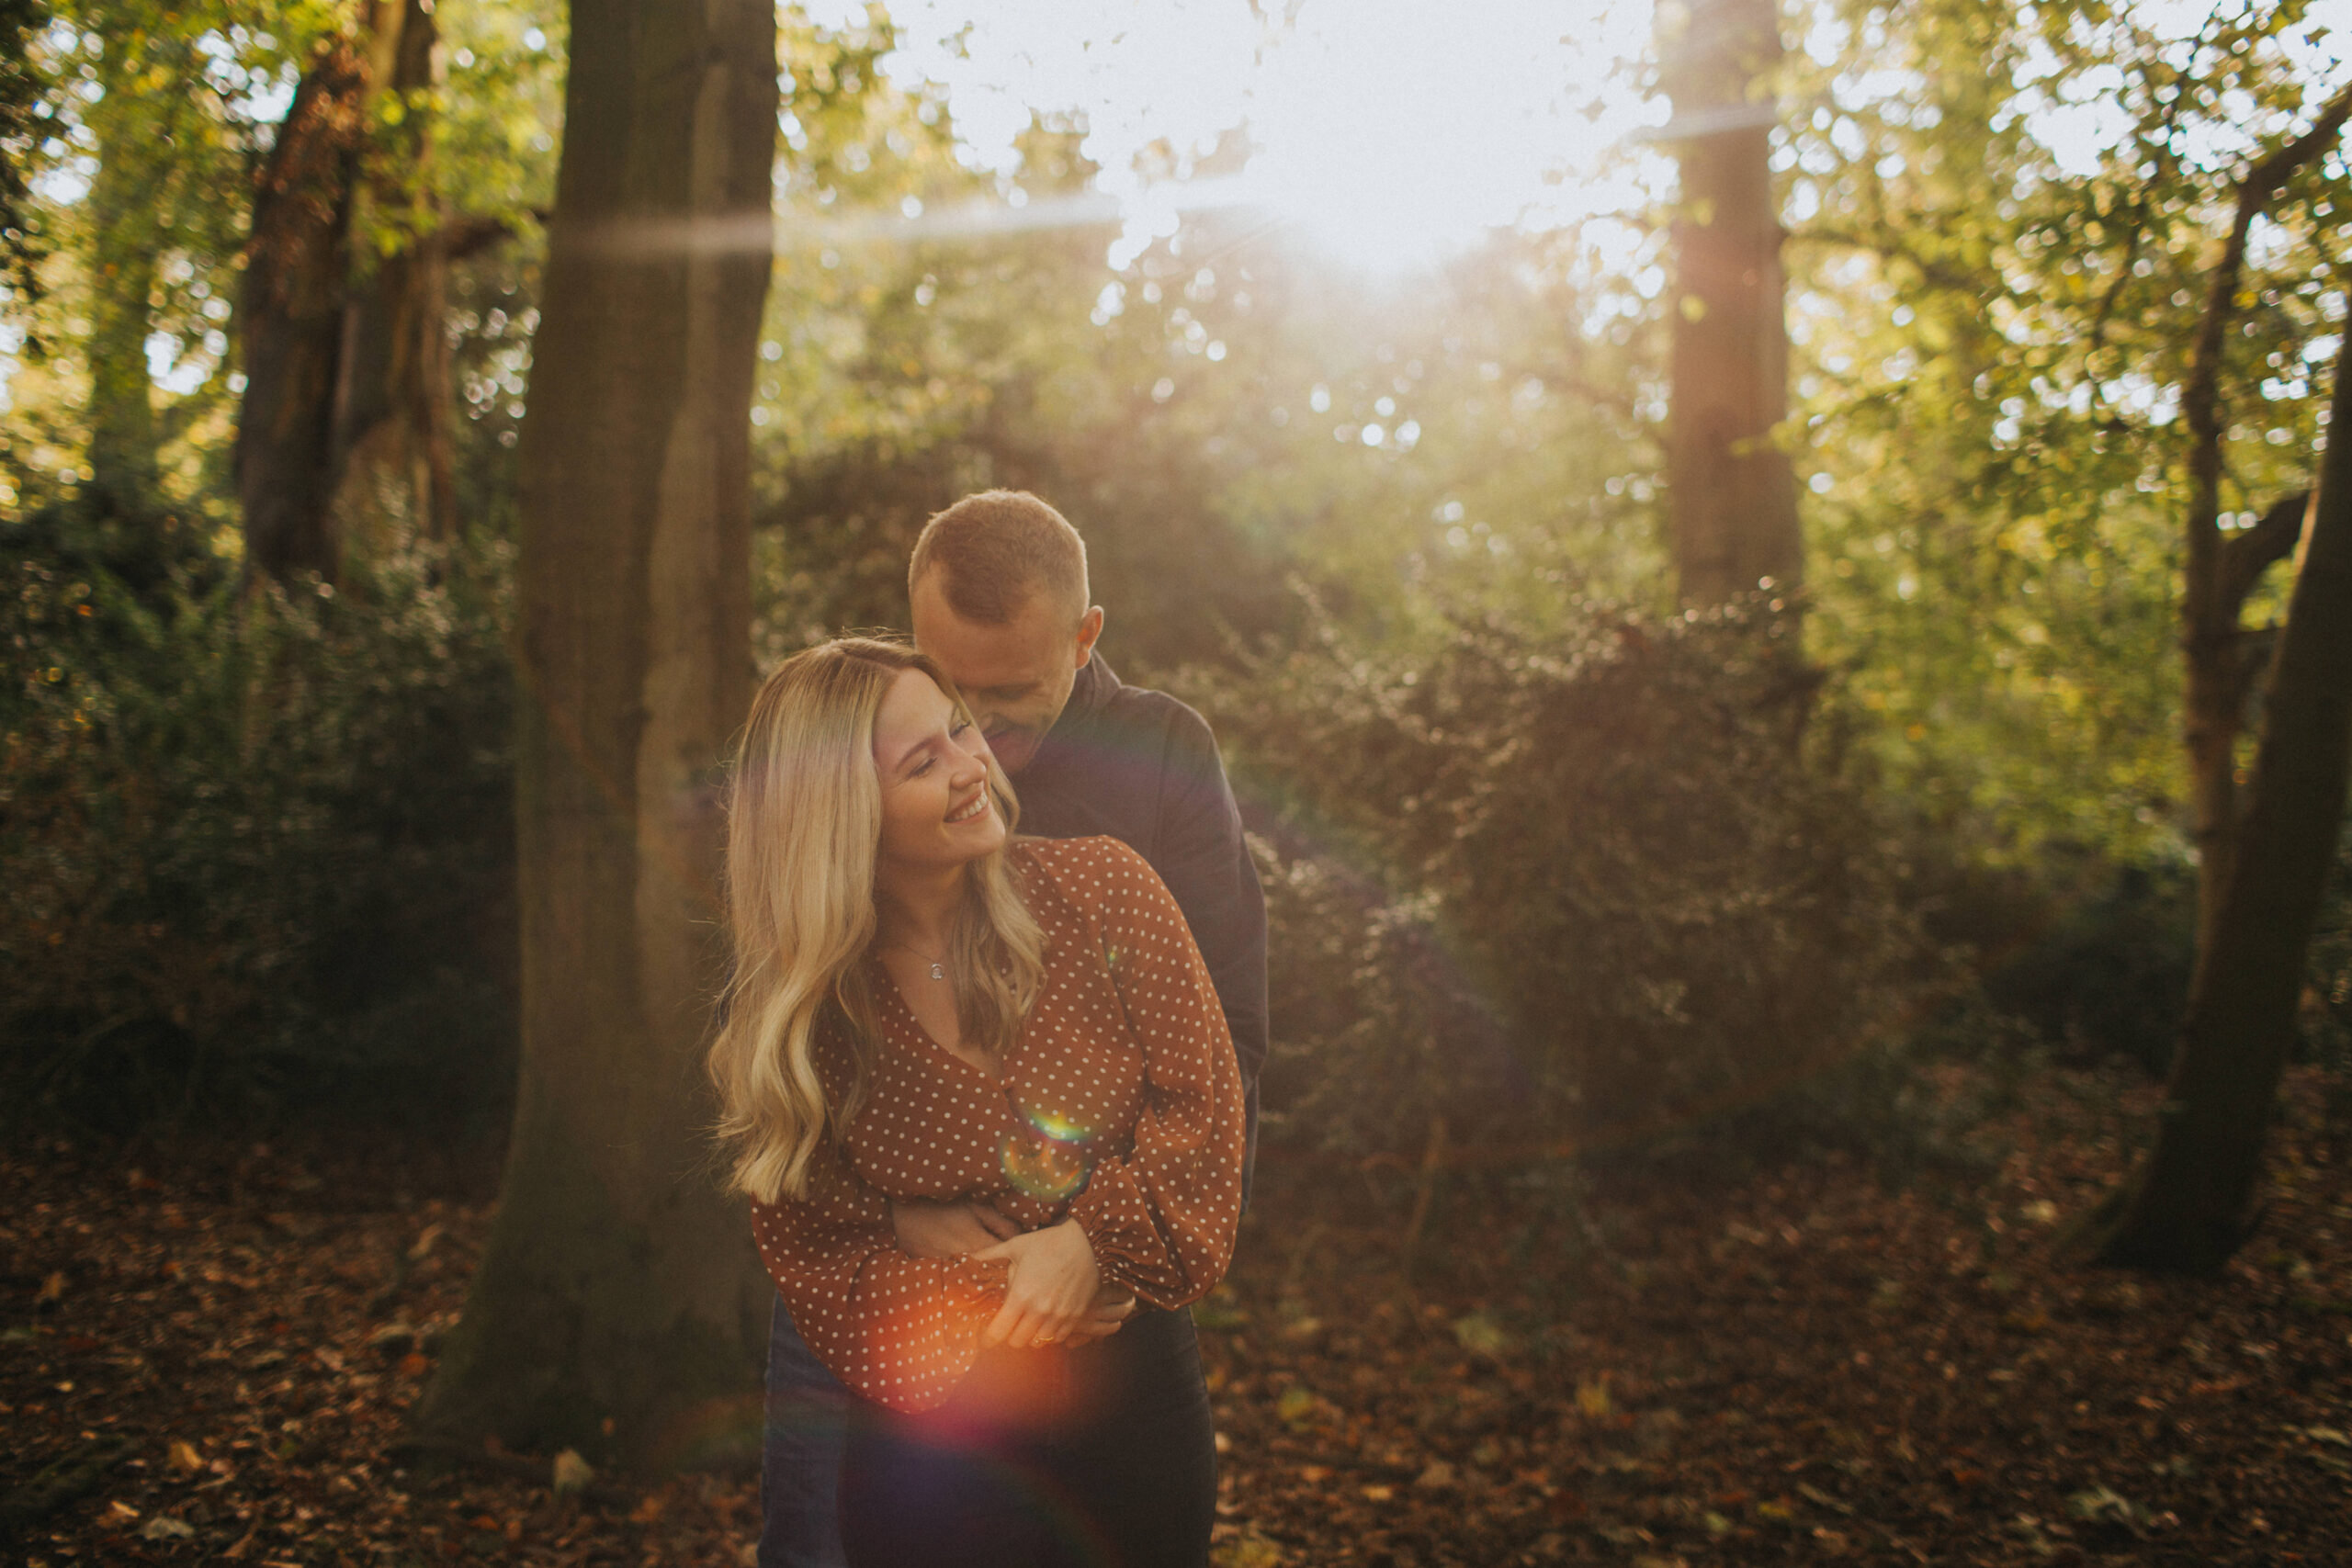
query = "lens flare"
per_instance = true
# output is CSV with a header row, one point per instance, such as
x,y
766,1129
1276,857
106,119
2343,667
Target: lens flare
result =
x,y
1058,1127
1042,1166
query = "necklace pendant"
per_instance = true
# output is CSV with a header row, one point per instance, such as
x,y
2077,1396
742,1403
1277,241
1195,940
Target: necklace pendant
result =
x,y
939,971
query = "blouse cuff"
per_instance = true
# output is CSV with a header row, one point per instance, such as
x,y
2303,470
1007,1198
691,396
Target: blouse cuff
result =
x,y
1118,1225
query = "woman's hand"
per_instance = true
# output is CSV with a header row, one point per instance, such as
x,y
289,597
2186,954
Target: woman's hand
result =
x,y
1105,1314
1050,1290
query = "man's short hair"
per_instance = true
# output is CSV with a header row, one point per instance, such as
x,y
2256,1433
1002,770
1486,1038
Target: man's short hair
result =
x,y
996,548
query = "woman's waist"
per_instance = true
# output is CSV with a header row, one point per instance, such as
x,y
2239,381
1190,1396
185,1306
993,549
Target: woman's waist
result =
x,y
1153,1359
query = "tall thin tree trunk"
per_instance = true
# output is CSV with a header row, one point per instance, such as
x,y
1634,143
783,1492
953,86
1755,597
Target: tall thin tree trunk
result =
x,y
618,1284
1730,491
290,311
123,258
395,466
2190,1205
2222,571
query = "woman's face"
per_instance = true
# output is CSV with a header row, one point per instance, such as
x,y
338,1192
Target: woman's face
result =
x,y
937,810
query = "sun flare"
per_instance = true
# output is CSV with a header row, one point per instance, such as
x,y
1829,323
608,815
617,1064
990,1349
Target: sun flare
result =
x,y
1388,131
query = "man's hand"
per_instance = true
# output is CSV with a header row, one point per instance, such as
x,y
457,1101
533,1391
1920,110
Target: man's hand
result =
x,y
1050,1290
948,1230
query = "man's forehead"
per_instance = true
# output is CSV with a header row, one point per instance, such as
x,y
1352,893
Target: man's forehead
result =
x,y
979,654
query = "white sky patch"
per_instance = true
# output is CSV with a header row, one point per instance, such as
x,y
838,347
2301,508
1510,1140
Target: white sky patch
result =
x,y
1394,130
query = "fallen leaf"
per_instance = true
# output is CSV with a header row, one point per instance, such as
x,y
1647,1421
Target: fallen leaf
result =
x,y
1436,1477
1378,1494
1593,1397
572,1474
1296,1406
1247,1550
182,1456
1481,1335
161,1528
52,1290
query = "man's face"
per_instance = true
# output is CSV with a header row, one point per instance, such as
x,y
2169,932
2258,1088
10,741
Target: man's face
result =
x,y
1017,676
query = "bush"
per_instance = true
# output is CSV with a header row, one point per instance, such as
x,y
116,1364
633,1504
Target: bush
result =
x,y
2109,977
1374,1030
1631,843
258,845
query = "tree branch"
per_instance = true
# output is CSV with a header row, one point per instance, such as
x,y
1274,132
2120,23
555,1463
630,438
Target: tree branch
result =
x,y
2245,556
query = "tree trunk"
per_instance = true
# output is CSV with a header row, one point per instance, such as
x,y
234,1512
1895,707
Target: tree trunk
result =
x,y
1730,491
2222,571
617,1285
2189,1206
395,466
290,309
123,255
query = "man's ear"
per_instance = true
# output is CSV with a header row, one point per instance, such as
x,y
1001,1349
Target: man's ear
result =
x,y
1089,626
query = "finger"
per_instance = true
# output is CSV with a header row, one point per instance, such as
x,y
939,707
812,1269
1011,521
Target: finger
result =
x,y
995,1224
1024,1332
1000,1326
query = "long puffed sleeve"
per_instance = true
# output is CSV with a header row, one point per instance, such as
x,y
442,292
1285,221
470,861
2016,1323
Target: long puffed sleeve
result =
x,y
1161,1217
899,1330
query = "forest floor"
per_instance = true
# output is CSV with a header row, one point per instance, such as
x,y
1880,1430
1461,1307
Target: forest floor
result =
x,y
205,1356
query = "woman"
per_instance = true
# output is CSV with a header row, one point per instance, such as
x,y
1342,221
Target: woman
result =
x,y
928,1011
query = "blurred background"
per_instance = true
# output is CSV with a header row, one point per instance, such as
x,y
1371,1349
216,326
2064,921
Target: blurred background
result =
x,y
1344,335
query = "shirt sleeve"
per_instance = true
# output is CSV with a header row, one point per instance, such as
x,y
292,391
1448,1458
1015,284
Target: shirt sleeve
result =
x,y
1199,850
1161,1218
901,1330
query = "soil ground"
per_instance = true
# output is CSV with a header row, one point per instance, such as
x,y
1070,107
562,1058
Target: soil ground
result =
x,y
205,1353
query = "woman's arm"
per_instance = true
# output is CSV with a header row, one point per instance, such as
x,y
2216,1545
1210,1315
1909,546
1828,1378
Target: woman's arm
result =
x,y
901,1330
1162,1219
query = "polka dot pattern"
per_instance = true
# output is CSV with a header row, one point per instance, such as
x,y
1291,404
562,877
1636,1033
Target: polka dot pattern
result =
x,y
1122,1084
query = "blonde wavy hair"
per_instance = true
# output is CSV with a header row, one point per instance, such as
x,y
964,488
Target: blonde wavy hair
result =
x,y
804,824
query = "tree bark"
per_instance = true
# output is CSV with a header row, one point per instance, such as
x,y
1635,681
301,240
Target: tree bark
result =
x,y
394,462
2190,1205
618,1284
1731,493
123,257
2222,571
291,310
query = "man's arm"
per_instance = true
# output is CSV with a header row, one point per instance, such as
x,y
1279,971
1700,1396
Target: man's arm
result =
x,y
1198,850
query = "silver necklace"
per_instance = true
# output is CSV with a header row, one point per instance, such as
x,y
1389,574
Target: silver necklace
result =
x,y
938,965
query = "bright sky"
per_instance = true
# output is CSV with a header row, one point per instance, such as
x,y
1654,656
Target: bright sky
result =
x,y
1391,129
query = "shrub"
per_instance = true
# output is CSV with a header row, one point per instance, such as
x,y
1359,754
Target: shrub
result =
x,y
1634,840
1374,1031
258,845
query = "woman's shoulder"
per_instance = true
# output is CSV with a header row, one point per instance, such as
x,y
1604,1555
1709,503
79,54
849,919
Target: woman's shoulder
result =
x,y
1091,872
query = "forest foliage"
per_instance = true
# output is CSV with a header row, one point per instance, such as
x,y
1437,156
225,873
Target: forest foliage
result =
x,y
1388,530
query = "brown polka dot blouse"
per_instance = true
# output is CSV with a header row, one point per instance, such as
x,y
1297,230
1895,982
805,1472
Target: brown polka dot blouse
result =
x,y
1119,1106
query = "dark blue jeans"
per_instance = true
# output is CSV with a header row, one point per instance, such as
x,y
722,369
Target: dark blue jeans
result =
x,y
800,1460
1099,1457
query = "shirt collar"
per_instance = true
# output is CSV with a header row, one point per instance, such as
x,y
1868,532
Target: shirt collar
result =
x,y
1094,687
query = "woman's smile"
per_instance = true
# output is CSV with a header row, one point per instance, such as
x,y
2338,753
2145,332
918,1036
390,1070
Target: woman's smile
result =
x,y
977,806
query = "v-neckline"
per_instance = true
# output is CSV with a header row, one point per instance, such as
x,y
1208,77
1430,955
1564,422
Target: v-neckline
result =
x,y
914,1020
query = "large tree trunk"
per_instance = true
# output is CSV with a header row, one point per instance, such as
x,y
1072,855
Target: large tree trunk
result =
x,y
2188,1208
1730,491
618,1284
395,466
291,313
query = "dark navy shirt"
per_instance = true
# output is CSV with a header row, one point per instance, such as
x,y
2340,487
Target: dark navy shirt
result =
x,y
1140,766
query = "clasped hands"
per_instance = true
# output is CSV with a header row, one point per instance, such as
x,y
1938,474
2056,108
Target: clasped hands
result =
x,y
1054,1292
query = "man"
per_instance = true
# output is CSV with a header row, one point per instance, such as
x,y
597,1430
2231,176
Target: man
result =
x,y
999,597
